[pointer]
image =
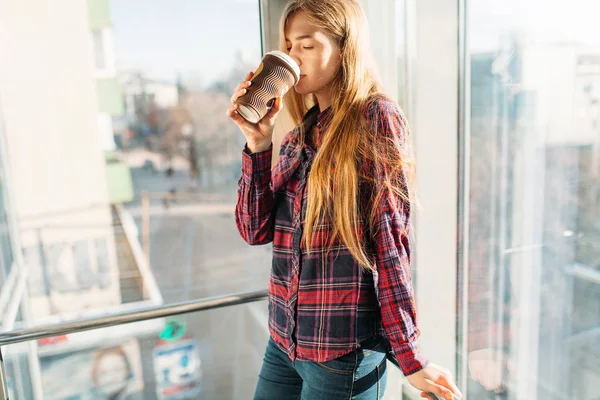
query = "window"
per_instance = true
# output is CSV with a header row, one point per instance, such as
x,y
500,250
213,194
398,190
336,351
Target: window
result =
x,y
173,68
533,228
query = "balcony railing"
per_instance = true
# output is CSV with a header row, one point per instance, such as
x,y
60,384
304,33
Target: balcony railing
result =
x,y
116,319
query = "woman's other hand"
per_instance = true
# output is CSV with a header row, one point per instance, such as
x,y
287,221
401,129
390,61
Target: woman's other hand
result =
x,y
435,379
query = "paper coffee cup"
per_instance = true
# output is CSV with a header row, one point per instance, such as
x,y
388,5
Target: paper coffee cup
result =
x,y
275,75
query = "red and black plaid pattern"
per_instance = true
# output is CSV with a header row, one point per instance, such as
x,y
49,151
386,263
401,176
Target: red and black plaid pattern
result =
x,y
323,304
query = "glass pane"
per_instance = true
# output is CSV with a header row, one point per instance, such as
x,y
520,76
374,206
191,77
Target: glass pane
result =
x,y
144,86
18,376
213,354
533,273
177,77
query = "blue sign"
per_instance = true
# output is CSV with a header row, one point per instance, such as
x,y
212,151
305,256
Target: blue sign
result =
x,y
177,369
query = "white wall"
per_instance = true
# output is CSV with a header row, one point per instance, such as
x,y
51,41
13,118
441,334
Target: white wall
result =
x,y
435,135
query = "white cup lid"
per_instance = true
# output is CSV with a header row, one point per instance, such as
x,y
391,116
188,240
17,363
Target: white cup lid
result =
x,y
288,59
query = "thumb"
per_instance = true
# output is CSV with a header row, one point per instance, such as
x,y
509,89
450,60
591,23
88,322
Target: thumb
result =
x,y
277,106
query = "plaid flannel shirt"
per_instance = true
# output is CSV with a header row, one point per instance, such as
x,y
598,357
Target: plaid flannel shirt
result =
x,y
322,305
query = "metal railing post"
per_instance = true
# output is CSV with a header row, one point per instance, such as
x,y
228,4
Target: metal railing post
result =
x,y
3,379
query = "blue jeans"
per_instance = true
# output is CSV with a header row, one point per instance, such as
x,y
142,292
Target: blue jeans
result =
x,y
359,375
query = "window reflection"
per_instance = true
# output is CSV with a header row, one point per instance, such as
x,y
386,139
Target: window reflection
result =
x,y
534,276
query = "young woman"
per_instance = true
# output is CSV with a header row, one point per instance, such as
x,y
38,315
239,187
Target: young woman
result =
x,y
337,209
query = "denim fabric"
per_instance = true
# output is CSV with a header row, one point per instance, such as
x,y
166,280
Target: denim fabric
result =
x,y
359,375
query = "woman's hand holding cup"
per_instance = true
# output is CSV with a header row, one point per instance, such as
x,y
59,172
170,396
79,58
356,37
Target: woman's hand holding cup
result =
x,y
259,135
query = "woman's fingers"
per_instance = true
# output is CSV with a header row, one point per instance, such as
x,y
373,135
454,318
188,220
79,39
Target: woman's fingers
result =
x,y
246,127
436,380
235,117
238,93
240,90
442,390
446,381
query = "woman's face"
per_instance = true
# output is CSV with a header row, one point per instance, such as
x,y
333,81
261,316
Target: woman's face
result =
x,y
315,51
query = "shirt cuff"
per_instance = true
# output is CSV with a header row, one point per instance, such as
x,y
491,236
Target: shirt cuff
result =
x,y
256,167
410,358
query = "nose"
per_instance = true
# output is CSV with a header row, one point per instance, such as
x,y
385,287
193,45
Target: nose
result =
x,y
295,57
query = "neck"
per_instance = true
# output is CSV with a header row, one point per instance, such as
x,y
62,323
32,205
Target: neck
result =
x,y
324,100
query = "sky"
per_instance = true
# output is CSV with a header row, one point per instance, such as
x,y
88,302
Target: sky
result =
x,y
199,39
196,38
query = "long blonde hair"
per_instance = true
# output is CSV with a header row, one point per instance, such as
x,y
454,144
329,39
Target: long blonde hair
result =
x,y
348,142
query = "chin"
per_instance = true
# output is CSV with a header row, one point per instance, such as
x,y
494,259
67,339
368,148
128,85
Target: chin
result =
x,y
301,90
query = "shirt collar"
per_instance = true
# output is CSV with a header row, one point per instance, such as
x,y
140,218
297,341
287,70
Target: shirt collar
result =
x,y
324,118
315,116
319,118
